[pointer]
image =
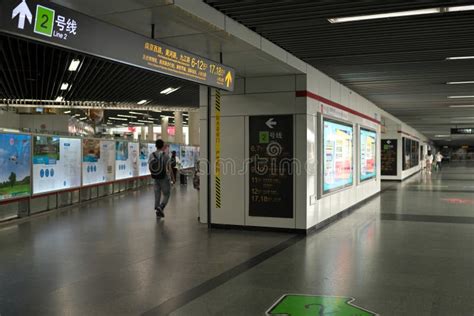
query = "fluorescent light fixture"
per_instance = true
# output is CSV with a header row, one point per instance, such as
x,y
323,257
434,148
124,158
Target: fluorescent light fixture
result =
x,y
74,65
442,136
59,99
64,86
137,123
462,106
129,116
460,57
460,8
117,119
460,82
384,15
148,122
460,96
82,118
142,102
77,115
170,90
67,112
137,113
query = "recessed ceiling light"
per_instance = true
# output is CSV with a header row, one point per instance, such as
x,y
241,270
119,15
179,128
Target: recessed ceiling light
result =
x,y
59,99
124,115
462,106
142,102
460,96
74,65
64,86
460,8
460,82
170,90
460,57
384,15
117,119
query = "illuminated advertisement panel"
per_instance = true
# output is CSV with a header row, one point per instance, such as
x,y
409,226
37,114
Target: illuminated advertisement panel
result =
x,y
98,161
126,160
56,163
337,154
368,150
146,149
15,168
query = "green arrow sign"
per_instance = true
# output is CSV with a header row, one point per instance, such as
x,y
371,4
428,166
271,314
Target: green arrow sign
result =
x,y
308,305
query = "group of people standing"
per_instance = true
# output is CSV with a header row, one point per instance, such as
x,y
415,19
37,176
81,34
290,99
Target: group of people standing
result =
x,y
430,158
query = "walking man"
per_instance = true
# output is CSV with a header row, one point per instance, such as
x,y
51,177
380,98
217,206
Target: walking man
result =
x,y
160,169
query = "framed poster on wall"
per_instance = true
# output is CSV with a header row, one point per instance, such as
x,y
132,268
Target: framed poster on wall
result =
x,y
146,149
55,163
15,165
337,155
367,154
98,161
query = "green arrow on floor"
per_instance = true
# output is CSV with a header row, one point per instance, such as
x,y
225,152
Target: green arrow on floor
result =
x,y
308,305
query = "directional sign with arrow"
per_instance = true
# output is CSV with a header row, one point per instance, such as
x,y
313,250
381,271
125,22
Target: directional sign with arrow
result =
x,y
23,12
228,79
309,305
271,123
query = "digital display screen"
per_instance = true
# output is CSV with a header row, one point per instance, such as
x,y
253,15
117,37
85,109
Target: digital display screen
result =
x,y
98,161
337,155
55,163
15,169
368,154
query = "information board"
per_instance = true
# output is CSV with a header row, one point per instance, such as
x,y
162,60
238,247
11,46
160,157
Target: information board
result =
x,y
188,157
389,157
56,25
368,154
15,167
126,160
98,161
271,166
146,149
337,155
56,162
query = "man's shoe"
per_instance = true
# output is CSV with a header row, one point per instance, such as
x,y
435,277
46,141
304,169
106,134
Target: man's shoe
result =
x,y
159,212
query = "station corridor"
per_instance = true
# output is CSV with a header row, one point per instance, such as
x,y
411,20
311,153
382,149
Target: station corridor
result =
x,y
408,251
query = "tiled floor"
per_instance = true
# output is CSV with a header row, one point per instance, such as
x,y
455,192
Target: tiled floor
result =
x,y
409,251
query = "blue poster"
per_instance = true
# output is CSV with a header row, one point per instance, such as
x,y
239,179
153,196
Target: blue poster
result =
x,y
15,169
337,155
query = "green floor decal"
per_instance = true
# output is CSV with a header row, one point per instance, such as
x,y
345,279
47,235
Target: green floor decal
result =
x,y
311,305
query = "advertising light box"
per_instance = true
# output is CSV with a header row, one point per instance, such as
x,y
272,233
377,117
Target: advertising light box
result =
x,y
189,157
146,149
368,150
98,161
337,155
15,169
126,160
56,163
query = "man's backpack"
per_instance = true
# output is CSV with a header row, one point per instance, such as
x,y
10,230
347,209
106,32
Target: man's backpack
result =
x,y
157,167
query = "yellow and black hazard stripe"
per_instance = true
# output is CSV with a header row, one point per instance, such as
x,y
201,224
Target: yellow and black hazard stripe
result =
x,y
218,150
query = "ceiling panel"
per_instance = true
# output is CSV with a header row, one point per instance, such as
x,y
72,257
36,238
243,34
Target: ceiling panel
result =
x,y
397,63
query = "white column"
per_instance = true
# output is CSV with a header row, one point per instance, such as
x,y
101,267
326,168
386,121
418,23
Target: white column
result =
x,y
203,108
178,124
194,122
164,129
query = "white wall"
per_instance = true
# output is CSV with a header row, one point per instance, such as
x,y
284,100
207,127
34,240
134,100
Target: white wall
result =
x,y
49,123
9,120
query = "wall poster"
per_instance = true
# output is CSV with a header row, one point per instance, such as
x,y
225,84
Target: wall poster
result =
x,y
55,163
98,161
15,168
146,149
368,154
126,160
271,166
389,157
337,160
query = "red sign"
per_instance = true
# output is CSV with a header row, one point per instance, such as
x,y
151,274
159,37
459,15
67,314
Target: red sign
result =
x,y
171,130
